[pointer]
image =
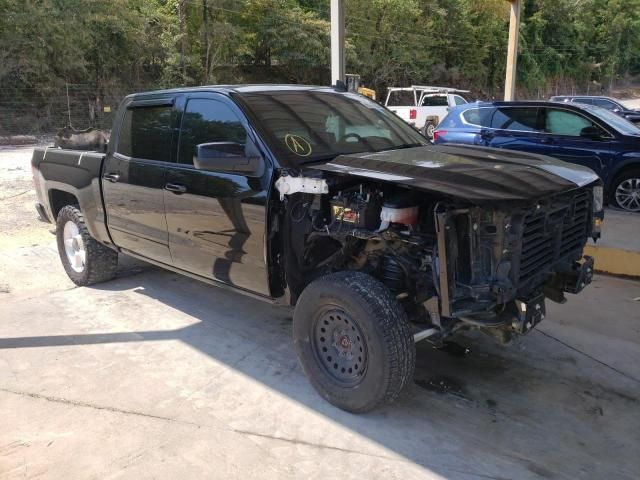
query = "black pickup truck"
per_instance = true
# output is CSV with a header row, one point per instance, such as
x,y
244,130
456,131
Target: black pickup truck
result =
x,y
327,201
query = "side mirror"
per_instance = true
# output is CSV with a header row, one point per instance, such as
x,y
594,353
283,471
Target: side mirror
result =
x,y
228,157
616,110
591,132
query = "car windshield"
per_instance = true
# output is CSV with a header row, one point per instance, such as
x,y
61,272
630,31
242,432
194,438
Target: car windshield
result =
x,y
621,124
314,125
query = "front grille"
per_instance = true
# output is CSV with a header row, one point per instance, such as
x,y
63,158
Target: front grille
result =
x,y
556,231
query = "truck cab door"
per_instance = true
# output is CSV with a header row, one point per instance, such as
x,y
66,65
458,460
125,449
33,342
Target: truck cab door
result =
x,y
216,219
133,178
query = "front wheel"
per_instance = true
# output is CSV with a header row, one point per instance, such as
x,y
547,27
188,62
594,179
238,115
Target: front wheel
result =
x,y
354,341
84,259
625,191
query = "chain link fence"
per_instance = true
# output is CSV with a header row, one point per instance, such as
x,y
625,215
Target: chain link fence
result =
x,y
28,111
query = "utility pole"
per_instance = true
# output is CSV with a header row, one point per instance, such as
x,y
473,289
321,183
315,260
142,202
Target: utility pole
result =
x,y
512,52
337,41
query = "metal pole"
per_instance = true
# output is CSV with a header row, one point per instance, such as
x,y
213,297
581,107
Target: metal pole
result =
x,y
337,41
512,52
68,103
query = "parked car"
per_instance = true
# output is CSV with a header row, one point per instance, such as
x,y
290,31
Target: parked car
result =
x,y
328,202
582,134
423,107
615,105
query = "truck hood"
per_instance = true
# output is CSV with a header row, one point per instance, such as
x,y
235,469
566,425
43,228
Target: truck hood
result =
x,y
476,174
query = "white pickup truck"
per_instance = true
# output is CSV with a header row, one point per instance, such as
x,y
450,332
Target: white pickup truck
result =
x,y
423,107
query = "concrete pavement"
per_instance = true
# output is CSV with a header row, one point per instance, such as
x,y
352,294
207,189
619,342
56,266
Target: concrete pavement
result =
x,y
154,375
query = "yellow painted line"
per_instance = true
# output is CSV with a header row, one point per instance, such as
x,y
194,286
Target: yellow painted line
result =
x,y
615,260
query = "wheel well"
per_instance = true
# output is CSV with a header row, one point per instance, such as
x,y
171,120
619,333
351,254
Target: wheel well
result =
x,y
611,182
60,199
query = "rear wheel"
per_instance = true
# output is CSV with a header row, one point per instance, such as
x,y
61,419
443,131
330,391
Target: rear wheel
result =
x,y
625,191
428,129
354,341
84,259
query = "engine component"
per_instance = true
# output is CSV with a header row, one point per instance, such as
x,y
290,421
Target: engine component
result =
x,y
392,273
401,209
358,210
288,185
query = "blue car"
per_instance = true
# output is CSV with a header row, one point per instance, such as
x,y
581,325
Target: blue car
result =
x,y
583,134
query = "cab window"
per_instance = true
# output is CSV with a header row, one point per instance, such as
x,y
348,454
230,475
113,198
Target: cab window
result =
x,y
207,121
146,133
435,101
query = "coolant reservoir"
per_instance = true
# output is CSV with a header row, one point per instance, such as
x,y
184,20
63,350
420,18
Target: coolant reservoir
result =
x,y
399,210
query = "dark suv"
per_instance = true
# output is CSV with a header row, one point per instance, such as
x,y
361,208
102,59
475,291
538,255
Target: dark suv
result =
x,y
609,103
578,133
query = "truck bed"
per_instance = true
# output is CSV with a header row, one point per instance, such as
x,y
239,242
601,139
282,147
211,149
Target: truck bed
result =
x,y
60,174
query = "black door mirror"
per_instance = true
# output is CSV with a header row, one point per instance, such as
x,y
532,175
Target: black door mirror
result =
x,y
228,157
592,133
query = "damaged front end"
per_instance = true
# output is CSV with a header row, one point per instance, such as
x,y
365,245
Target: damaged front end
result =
x,y
452,264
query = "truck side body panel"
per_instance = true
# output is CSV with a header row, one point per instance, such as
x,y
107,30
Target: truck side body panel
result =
x,y
76,173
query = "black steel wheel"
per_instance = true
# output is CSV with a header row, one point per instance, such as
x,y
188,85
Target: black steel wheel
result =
x,y
353,341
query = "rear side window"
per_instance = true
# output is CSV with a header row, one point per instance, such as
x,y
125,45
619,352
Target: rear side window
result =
x,y
207,121
146,133
401,98
459,100
478,116
588,101
604,103
563,122
435,101
521,119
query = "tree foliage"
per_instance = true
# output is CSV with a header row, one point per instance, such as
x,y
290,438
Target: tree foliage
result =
x,y
120,45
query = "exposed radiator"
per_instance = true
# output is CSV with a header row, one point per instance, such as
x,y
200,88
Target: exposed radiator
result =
x,y
553,233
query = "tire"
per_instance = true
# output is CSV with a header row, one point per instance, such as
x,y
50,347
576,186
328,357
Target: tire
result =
x,y
93,262
353,341
428,129
625,191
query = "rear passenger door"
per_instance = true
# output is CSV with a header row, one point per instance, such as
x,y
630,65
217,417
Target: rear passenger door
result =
x,y
134,177
516,128
216,220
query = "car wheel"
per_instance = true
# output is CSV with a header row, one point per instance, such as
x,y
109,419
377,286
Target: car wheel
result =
x,y
353,341
428,130
625,192
84,259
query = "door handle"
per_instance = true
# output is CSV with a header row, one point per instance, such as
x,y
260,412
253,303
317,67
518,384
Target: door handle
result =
x,y
112,177
486,135
546,140
175,188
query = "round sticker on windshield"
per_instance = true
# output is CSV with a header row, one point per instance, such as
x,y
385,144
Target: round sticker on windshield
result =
x,y
298,145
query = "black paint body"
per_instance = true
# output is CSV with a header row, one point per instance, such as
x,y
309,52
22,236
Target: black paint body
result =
x,y
226,227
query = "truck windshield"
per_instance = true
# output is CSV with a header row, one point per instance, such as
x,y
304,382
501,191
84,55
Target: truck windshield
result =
x,y
308,126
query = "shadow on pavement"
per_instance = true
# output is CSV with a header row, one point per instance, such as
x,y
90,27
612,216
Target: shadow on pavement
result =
x,y
527,413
